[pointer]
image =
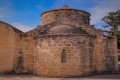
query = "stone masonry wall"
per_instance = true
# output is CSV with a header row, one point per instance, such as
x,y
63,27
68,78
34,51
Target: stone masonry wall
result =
x,y
111,55
9,39
71,17
27,45
79,55
106,57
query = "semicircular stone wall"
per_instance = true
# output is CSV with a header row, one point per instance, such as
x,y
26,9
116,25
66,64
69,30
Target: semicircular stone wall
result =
x,y
72,17
63,56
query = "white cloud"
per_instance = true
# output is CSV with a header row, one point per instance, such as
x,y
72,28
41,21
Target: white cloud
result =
x,y
22,27
7,14
103,7
98,10
97,13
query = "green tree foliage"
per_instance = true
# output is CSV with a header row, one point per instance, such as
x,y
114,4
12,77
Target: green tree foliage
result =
x,y
112,21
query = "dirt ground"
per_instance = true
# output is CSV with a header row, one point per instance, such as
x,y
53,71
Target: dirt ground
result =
x,y
32,77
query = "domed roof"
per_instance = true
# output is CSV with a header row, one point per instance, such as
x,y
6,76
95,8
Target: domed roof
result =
x,y
10,26
65,7
68,29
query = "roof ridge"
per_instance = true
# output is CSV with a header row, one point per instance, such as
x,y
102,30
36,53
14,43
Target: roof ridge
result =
x,y
14,28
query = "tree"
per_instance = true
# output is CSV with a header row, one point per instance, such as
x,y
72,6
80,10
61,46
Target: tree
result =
x,y
112,21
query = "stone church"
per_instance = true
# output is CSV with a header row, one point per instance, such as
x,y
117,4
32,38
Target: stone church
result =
x,y
64,45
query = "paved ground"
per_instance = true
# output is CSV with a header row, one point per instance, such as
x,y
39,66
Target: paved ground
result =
x,y
31,77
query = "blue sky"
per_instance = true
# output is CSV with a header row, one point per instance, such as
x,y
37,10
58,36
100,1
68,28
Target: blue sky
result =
x,y
26,14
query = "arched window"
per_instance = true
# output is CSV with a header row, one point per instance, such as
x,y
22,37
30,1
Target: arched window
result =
x,y
63,56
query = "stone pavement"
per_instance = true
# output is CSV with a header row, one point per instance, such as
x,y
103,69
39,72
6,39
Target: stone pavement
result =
x,y
31,77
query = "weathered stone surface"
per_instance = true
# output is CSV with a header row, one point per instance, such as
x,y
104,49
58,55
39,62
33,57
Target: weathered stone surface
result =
x,y
66,16
9,38
48,57
65,45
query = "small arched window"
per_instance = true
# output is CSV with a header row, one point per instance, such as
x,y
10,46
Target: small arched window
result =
x,y
63,56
